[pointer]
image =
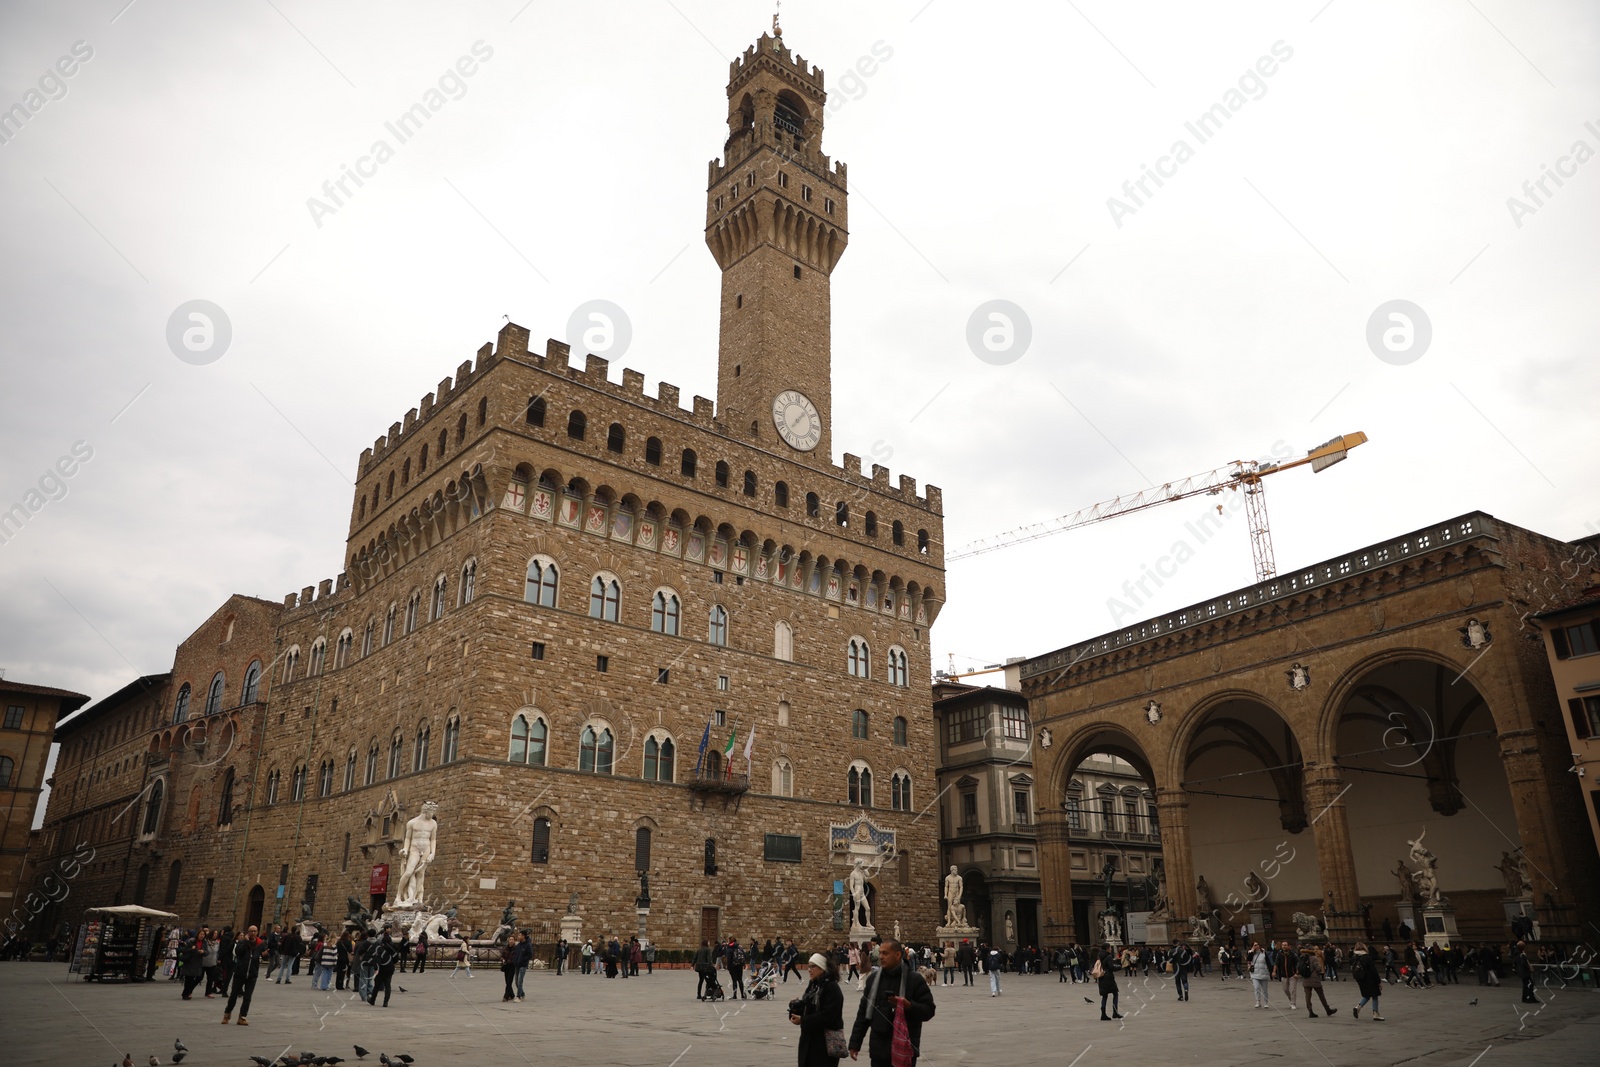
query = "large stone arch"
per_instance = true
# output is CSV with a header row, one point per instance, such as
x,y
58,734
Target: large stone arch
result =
x,y
1329,714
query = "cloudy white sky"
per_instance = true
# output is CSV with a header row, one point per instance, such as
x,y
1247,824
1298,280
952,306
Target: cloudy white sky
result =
x,y
1226,317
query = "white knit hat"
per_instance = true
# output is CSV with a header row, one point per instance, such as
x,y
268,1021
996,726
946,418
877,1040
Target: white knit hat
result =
x,y
818,960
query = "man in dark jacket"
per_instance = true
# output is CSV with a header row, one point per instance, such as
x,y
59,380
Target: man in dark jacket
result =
x,y
1524,969
967,961
704,967
247,953
896,984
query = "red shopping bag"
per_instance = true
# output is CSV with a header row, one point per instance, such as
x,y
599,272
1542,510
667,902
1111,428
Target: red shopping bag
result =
x,y
901,1052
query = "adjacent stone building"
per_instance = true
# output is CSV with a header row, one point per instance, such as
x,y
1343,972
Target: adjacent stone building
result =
x,y
558,591
1571,636
1305,734
31,712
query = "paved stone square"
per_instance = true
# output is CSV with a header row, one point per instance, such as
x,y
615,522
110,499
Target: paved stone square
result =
x,y
53,1018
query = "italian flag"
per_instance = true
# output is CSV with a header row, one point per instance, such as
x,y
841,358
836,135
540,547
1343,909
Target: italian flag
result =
x,y
727,753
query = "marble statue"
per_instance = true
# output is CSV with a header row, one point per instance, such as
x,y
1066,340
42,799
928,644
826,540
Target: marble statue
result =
x,y
1255,888
1161,905
1202,895
1514,869
897,929
1202,928
437,927
1110,927
1427,873
955,912
1309,927
1011,929
860,906
1408,891
417,848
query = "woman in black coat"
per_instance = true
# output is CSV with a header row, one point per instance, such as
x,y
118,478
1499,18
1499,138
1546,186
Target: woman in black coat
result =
x,y
821,1009
1108,983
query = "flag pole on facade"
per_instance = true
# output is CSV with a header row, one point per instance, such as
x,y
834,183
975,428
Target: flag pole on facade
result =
x,y
727,753
749,746
705,740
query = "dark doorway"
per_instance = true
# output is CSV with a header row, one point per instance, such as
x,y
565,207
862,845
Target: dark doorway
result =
x,y
142,885
976,897
710,930
258,904
1028,922
1080,919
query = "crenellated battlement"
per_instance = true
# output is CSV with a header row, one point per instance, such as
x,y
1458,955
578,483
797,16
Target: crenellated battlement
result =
x,y
772,49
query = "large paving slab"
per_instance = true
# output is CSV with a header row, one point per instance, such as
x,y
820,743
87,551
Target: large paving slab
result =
x,y
51,1017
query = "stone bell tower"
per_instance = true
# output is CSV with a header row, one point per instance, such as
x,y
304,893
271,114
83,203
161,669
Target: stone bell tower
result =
x,y
775,221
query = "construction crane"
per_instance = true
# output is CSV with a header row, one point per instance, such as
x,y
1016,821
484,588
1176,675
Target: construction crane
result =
x,y
1239,476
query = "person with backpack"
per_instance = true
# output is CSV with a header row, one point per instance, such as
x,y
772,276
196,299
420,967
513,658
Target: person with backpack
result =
x,y
1311,969
422,953
1104,972
1285,968
1364,969
736,960
1390,974
993,960
791,953
894,1005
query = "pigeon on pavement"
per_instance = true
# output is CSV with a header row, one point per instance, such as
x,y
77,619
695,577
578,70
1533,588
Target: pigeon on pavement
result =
x,y
1086,1000
361,1053
177,1057
262,1061
1472,1002
154,1060
179,1046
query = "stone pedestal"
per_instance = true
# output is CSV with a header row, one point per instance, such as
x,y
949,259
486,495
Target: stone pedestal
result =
x,y
572,929
1409,915
1261,923
954,935
1439,924
859,933
1156,932
644,914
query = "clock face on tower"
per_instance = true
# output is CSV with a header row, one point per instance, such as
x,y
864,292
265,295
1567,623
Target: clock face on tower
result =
x,y
797,420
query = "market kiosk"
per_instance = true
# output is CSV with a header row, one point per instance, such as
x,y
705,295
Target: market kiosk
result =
x,y
114,944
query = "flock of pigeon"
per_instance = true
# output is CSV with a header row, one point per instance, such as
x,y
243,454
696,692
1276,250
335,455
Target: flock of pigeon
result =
x,y
304,1059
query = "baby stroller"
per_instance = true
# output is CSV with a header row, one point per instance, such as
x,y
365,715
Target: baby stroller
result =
x,y
713,987
765,982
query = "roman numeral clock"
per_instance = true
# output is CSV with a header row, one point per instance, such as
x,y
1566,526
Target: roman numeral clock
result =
x,y
797,420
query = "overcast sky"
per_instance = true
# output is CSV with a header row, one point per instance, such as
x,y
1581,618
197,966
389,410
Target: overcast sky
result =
x,y
1369,154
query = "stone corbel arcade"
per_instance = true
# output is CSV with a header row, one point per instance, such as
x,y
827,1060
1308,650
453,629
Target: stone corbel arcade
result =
x,y
1307,728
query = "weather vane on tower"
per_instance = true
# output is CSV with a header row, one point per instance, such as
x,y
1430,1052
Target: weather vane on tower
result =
x,y
777,30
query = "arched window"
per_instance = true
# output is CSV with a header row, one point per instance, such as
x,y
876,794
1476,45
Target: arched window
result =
x,y
441,586
641,849
319,649
659,758
922,541
900,729
664,612
718,633
325,779
214,695
595,750
897,533
8,767
528,737
413,609
225,799
541,840
297,783
252,683
782,641
388,623
461,428
813,506
388,491
841,514
535,415
452,740
616,438
540,587
858,660
861,785
780,494
422,462
180,710
605,597
397,748
782,779
152,807
898,674
361,512
576,425
871,524
690,462
405,473
722,474
469,582
652,451
900,791
366,639
341,649
858,725
749,483
419,751
173,874
372,763
350,770
483,410
272,787
142,884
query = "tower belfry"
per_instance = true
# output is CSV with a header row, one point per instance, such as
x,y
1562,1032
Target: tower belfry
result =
x,y
776,223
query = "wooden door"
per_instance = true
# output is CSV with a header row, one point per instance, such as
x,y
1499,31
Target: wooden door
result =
x,y
710,930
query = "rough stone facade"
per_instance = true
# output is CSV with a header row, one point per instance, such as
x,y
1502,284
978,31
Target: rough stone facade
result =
x,y
757,586
1478,754
25,733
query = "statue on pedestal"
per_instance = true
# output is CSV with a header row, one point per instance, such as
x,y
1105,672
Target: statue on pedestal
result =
x,y
417,848
955,912
860,906
1427,873
1514,870
1408,891
1110,927
643,899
